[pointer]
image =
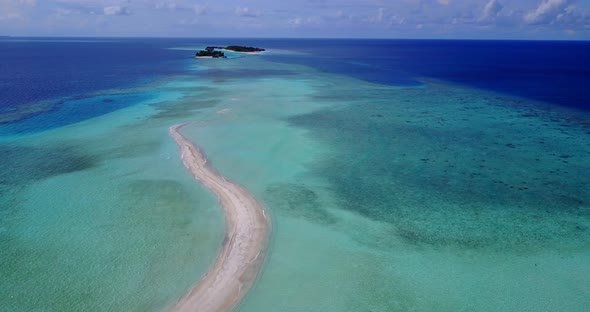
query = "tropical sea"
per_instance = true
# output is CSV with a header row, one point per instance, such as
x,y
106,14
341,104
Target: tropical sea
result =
x,y
401,175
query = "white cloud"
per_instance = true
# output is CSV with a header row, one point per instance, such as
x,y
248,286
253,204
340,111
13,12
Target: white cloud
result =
x,y
339,15
546,12
188,22
491,10
63,12
380,15
82,3
296,21
116,10
10,16
570,32
572,17
200,9
180,5
386,17
15,9
29,2
302,21
96,7
166,5
246,12
383,18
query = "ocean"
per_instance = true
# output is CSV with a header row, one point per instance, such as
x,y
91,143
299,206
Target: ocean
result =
x,y
401,175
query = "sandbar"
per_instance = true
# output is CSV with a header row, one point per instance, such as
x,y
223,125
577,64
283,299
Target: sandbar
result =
x,y
246,236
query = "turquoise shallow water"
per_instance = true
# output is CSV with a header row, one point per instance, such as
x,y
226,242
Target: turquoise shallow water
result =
x,y
100,215
383,198
425,199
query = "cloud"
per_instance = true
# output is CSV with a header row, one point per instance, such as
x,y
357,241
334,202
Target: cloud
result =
x,y
570,32
491,11
64,12
296,21
116,10
358,18
386,17
571,17
200,9
303,21
10,16
380,15
246,12
96,7
87,3
31,3
15,9
339,15
188,22
166,5
178,6
547,11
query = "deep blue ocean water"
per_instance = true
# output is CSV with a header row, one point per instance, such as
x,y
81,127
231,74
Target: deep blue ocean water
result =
x,y
38,69
557,72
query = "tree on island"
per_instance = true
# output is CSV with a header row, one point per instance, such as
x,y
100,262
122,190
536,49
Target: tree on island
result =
x,y
243,49
212,52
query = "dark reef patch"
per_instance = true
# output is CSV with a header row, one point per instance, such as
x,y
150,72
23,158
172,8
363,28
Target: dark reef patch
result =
x,y
185,106
38,117
298,201
21,112
133,148
156,200
24,164
464,175
164,190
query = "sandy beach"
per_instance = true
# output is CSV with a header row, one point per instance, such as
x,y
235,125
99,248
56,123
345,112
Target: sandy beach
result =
x,y
246,233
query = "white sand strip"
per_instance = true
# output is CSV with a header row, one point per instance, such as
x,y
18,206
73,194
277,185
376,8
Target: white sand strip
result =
x,y
246,235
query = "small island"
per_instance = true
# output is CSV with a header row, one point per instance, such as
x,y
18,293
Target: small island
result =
x,y
243,49
214,52
210,52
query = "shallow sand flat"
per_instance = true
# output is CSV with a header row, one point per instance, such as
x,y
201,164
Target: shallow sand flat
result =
x,y
242,253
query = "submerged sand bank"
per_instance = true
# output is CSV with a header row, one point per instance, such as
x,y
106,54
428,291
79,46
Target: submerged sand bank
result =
x,y
244,246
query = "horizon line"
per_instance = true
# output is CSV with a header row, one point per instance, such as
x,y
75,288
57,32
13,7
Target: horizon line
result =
x,y
296,38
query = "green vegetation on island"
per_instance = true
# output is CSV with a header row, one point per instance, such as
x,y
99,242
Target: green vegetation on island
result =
x,y
243,49
212,52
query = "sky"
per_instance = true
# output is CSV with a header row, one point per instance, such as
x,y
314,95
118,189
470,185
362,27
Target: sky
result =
x,y
444,19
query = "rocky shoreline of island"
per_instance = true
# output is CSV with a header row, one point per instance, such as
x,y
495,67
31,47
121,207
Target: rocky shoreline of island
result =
x,y
217,51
